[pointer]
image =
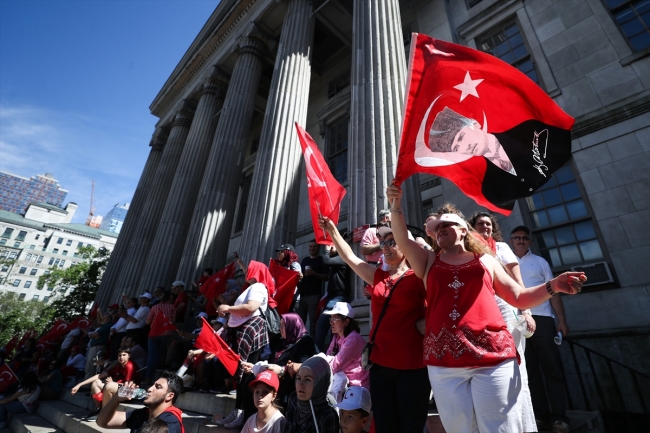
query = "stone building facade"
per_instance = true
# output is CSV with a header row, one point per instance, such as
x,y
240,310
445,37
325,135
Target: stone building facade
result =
x,y
224,172
43,238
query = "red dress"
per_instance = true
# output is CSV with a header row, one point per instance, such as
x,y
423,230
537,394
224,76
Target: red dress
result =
x,y
464,325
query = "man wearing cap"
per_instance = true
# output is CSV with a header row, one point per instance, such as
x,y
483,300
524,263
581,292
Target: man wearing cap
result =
x,y
354,410
542,354
370,241
178,288
137,321
311,286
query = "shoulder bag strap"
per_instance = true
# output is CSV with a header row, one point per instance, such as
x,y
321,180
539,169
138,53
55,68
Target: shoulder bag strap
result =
x,y
383,310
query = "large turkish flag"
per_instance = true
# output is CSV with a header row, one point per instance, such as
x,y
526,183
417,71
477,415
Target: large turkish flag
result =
x,y
325,192
479,122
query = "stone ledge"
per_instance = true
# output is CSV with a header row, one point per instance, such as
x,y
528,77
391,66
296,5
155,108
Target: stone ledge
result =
x,y
31,423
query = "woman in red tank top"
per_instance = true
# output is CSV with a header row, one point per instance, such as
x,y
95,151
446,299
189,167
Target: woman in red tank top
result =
x,y
470,355
399,388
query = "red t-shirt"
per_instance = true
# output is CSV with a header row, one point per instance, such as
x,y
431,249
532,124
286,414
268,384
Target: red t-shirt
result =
x,y
167,314
121,374
464,325
181,298
398,344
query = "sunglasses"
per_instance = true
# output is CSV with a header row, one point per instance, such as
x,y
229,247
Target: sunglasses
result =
x,y
390,243
520,238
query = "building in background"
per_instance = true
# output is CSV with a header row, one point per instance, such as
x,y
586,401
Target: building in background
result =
x,y
42,238
115,218
17,192
224,172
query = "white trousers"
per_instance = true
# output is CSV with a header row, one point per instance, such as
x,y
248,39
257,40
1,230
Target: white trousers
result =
x,y
478,400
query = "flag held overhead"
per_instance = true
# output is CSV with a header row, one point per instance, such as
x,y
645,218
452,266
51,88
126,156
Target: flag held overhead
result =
x,y
325,192
479,122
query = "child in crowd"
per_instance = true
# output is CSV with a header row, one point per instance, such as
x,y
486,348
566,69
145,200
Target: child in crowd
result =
x,y
268,418
354,415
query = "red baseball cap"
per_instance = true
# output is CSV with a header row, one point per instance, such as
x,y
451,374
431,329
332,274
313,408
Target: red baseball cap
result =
x,y
267,377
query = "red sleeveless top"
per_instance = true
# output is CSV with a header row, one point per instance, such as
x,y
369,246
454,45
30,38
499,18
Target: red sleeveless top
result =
x,y
464,325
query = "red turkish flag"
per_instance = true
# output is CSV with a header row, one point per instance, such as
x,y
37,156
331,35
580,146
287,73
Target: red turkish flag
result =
x,y
325,193
7,377
211,342
29,334
11,344
216,283
479,122
80,322
161,323
286,281
59,328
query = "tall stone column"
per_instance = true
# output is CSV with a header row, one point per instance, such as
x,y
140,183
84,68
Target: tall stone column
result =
x,y
378,81
209,232
273,201
144,233
107,292
166,250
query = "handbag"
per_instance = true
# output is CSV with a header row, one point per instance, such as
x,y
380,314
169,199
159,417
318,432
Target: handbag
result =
x,y
366,363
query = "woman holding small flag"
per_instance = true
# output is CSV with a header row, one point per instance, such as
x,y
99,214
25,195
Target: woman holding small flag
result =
x,y
247,335
470,355
398,378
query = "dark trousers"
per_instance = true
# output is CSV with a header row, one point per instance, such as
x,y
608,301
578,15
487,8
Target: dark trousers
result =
x,y
399,399
544,374
244,395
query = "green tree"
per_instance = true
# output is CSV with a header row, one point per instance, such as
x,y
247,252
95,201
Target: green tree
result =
x,y
17,316
75,288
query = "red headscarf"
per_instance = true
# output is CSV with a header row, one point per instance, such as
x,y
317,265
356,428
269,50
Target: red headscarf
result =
x,y
261,273
489,242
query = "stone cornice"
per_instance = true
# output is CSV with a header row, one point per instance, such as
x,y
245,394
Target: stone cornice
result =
x,y
188,68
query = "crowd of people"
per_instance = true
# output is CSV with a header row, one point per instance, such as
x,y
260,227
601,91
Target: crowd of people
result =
x,y
450,313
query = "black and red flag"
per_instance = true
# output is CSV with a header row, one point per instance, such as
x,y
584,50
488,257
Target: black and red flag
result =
x,y
479,122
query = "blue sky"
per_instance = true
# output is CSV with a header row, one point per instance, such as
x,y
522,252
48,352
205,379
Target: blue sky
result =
x,y
76,81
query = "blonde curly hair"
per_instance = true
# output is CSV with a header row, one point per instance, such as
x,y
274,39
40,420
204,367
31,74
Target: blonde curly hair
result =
x,y
470,242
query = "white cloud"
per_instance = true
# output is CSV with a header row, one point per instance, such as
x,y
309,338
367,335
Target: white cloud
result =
x,y
75,148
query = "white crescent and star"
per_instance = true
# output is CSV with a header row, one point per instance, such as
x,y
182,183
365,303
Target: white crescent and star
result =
x,y
468,87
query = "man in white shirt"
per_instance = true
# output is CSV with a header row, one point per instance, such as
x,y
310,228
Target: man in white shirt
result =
x,y
542,354
137,322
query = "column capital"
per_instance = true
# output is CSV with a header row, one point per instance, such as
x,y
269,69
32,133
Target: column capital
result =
x,y
184,114
252,41
216,84
159,138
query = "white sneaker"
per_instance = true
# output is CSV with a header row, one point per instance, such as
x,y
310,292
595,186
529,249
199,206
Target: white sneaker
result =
x,y
238,422
231,417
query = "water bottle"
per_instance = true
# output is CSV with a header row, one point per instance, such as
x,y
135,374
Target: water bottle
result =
x,y
132,393
522,326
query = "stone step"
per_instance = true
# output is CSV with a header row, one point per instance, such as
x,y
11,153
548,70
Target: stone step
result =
x,y
208,404
31,423
80,399
68,417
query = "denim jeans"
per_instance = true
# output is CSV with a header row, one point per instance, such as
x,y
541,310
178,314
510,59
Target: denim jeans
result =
x,y
11,407
156,354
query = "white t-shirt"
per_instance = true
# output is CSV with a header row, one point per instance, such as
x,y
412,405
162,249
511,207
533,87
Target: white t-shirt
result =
x,y
535,271
28,400
275,425
120,325
256,292
70,338
78,362
141,317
